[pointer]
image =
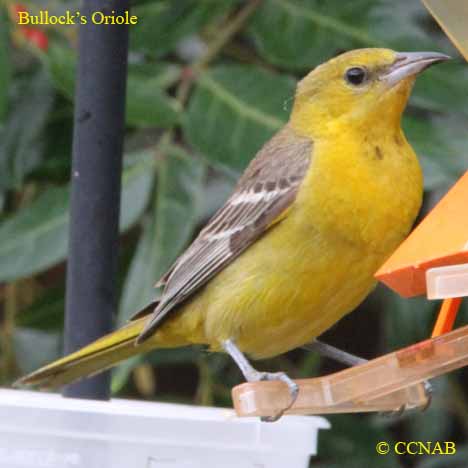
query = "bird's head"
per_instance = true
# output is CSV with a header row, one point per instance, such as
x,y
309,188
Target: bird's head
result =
x,y
361,87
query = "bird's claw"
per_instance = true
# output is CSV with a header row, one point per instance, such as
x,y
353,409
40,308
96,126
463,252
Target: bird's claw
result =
x,y
428,389
394,413
253,375
293,391
403,408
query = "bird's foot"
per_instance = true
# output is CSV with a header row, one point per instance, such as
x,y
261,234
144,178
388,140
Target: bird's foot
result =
x,y
253,375
403,408
292,386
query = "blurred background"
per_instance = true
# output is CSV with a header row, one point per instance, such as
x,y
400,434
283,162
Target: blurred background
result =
x,y
209,82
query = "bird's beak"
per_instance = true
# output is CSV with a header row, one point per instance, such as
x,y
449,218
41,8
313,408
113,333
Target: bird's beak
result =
x,y
410,63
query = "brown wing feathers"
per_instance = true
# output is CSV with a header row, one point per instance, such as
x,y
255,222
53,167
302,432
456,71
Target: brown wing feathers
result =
x,y
268,186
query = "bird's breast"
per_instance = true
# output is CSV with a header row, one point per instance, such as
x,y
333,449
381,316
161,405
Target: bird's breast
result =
x,y
366,189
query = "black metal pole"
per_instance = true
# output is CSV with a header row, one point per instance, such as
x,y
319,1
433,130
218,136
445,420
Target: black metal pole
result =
x,y
95,196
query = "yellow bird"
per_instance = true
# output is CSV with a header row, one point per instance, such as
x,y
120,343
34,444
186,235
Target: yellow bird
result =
x,y
295,247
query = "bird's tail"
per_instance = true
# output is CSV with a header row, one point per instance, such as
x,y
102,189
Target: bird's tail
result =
x,y
92,359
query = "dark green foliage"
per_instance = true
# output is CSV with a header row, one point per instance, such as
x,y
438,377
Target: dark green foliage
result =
x,y
234,110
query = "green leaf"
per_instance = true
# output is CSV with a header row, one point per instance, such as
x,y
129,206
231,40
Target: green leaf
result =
x,y
21,138
300,34
443,89
61,62
216,191
164,74
415,29
146,103
58,136
47,347
137,183
440,144
234,111
5,68
36,237
161,25
46,313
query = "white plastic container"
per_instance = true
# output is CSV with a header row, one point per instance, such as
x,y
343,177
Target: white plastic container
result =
x,y
41,430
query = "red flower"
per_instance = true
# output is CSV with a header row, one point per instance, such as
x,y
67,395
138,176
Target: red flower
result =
x,y
34,36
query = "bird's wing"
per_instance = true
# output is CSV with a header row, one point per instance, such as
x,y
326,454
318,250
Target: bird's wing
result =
x,y
263,194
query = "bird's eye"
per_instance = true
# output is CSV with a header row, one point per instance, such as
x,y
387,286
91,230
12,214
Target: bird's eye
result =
x,y
356,75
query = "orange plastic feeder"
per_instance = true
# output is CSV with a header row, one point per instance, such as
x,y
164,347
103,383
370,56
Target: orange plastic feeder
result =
x,y
441,239
433,260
